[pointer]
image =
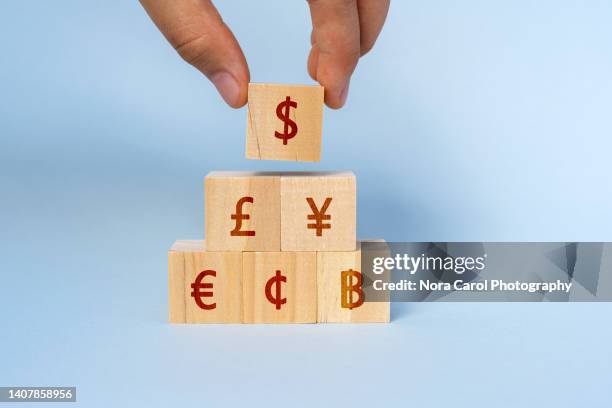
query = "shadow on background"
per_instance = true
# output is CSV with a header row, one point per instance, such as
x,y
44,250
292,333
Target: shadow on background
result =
x,y
400,311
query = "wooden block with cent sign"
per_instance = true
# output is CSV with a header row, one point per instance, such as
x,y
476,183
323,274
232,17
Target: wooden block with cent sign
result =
x,y
318,211
203,287
284,122
343,290
279,287
242,211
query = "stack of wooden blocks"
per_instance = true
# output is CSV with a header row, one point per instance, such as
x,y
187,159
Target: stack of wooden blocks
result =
x,y
280,247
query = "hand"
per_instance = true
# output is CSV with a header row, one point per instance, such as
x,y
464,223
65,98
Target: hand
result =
x,y
343,31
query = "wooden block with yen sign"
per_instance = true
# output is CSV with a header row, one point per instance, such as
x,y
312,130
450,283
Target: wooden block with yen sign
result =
x,y
345,291
279,287
203,287
318,211
242,211
284,122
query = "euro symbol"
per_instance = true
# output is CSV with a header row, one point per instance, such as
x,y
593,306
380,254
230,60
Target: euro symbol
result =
x,y
319,216
239,217
276,280
197,287
348,287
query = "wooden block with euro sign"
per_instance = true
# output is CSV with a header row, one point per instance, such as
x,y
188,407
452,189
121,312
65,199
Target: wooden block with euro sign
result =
x,y
203,286
284,122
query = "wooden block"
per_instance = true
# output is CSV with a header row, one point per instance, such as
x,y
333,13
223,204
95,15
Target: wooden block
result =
x,y
242,211
204,287
336,273
318,211
284,122
279,287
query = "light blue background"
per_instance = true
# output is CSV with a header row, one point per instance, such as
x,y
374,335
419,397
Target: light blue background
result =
x,y
472,120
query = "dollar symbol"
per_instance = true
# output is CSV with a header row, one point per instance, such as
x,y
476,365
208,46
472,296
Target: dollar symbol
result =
x,y
287,104
348,287
276,280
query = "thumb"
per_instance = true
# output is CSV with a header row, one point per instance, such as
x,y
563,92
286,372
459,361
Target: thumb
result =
x,y
197,32
335,49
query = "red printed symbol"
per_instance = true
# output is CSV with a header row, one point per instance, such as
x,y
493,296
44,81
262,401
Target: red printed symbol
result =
x,y
197,287
287,104
276,280
319,216
348,287
239,217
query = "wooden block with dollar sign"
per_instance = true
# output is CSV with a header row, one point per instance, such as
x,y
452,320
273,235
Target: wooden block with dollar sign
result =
x,y
284,122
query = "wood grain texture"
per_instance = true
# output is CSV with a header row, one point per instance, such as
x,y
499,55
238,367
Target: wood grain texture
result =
x,y
223,191
300,288
329,290
186,260
263,122
299,192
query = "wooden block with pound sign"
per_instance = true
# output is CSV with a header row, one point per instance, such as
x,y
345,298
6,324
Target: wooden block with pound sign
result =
x,y
343,290
318,211
204,287
279,287
242,211
284,122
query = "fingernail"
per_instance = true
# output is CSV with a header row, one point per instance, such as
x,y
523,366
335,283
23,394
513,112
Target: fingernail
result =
x,y
227,86
344,94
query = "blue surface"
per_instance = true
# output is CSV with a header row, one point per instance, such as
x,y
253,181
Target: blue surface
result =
x,y
472,120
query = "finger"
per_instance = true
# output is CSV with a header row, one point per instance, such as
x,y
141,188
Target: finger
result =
x,y
372,15
336,47
313,57
197,32
313,62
